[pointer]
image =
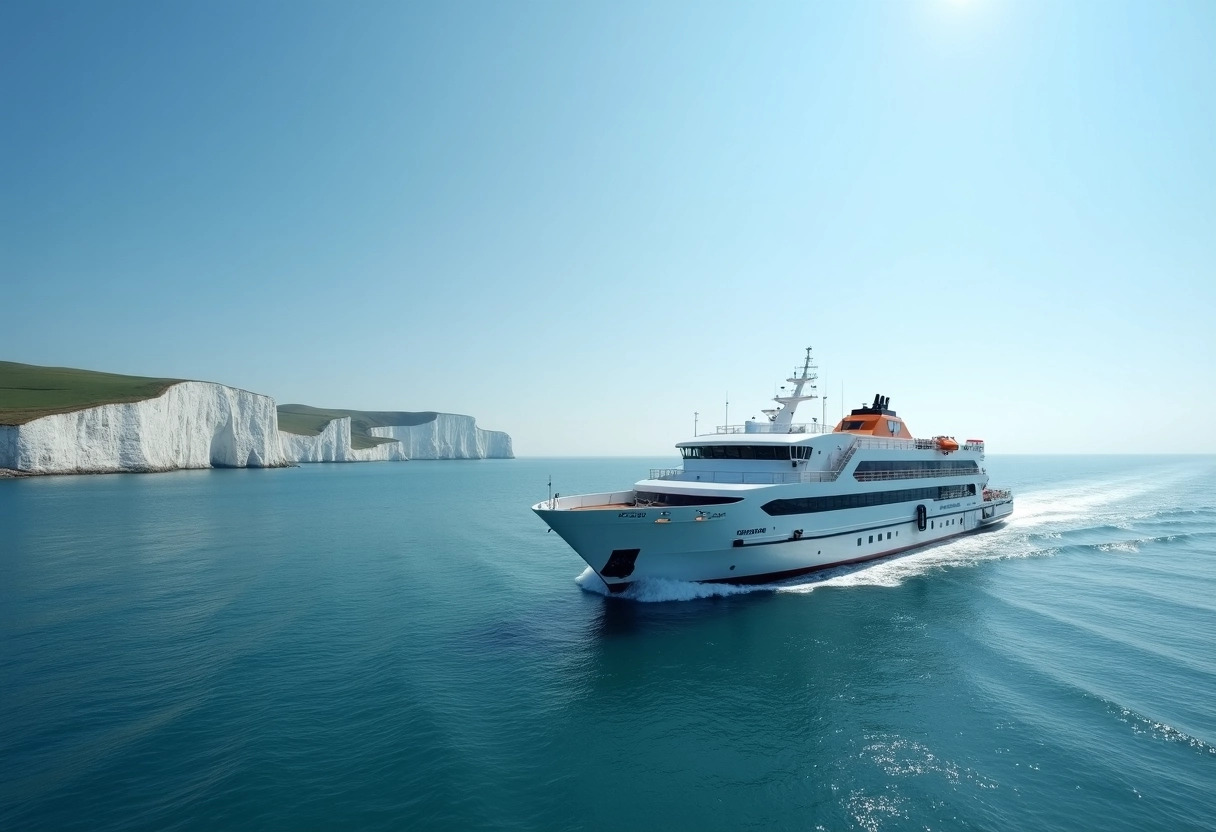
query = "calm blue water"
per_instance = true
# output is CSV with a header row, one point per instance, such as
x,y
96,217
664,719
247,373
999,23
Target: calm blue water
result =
x,y
402,646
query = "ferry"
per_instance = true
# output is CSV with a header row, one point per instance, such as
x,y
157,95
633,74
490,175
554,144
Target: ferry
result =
x,y
773,499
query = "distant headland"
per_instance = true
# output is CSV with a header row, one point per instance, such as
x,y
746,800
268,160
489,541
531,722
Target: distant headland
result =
x,y
60,420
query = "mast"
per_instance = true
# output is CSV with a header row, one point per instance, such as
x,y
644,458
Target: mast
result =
x,y
801,379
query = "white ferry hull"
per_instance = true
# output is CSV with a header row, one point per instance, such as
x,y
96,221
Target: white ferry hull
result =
x,y
739,543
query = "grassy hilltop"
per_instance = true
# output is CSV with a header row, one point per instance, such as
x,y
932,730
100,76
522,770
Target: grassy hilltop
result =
x,y
29,392
309,421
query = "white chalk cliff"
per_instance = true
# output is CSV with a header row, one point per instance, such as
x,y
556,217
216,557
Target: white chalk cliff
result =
x,y
196,424
447,436
331,445
193,424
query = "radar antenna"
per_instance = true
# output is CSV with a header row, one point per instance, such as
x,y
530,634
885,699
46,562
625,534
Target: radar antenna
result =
x,y
804,378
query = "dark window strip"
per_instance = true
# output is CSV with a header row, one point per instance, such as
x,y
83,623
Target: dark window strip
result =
x,y
810,505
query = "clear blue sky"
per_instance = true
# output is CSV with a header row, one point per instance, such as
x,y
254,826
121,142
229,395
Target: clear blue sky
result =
x,y
582,222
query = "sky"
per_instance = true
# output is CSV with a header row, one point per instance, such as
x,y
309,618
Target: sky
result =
x,y
582,223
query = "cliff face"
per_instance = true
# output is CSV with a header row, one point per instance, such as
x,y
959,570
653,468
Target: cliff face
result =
x,y
447,436
193,424
333,445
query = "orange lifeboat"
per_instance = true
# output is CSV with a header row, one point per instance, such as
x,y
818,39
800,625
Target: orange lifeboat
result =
x,y
946,444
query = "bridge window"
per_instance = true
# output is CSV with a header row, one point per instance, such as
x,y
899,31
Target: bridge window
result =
x,y
765,452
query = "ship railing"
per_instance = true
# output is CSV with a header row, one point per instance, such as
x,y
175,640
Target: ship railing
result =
x,y
776,477
893,444
743,477
844,458
861,442
769,427
912,445
876,476
991,494
578,501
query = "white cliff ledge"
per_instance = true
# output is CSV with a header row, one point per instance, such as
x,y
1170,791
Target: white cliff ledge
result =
x,y
192,424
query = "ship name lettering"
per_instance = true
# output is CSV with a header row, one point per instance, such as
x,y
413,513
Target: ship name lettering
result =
x,y
631,515
745,532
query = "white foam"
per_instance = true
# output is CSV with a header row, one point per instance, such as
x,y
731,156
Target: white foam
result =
x,y
1093,500
1142,724
1033,531
894,571
1125,546
588,581
972,550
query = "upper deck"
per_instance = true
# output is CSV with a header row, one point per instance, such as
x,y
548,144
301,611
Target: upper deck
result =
x,y
744,463
777,450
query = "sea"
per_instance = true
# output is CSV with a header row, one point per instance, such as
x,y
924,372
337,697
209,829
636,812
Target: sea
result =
x,y
402,646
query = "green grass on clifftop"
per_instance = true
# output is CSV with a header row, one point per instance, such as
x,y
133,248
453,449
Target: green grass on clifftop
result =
x,y
29,392
303,420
